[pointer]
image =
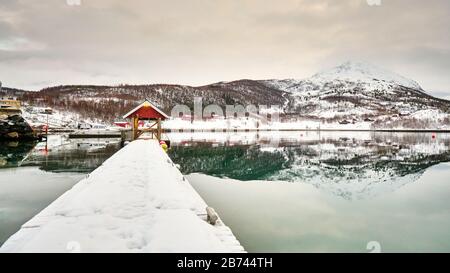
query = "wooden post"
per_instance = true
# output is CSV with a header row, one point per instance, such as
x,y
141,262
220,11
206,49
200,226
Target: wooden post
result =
x,y
158,136
135,127
133,123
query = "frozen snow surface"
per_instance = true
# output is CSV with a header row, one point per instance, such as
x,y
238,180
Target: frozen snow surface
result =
x,y
137,201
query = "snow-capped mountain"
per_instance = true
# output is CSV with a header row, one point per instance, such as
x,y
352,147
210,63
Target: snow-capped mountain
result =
x,y
351,93
375,77
371,76
356,91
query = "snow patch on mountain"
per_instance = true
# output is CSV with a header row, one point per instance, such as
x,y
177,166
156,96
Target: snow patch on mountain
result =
x,y
364,72
355,91
371,76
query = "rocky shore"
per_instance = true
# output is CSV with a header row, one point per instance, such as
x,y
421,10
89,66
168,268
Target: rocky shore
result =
x,y
16,127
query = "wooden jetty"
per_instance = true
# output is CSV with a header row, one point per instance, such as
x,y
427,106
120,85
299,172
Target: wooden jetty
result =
x,y
98,134
137,201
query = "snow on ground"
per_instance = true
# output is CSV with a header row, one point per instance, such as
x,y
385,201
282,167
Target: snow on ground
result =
x,y
36,116
429,119
433,119
430,114
137,201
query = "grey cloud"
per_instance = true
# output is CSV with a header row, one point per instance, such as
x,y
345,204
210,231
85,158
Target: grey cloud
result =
x,y
200,41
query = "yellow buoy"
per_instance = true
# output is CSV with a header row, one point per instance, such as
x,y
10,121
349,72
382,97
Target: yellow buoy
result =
x,y
163,145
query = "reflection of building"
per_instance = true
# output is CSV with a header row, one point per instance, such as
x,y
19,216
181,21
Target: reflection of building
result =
x,y
10,106
61,154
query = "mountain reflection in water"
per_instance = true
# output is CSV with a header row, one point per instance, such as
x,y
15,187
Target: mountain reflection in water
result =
x,y
351,165
348,164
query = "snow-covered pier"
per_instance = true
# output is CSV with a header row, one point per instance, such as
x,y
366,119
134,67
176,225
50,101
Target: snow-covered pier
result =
x,y
137,201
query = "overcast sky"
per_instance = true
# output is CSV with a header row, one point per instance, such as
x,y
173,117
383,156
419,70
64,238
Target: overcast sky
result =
x,y
44,43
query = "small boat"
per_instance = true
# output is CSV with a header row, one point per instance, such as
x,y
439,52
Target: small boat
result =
x,y
10,106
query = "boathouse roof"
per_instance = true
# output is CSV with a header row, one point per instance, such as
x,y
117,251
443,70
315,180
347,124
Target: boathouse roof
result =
x,y
146,110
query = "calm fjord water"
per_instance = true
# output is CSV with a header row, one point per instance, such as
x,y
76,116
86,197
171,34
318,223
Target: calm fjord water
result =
x,y
282,192
325,192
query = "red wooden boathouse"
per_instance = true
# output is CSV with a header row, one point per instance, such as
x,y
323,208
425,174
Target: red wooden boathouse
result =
x,y
146,111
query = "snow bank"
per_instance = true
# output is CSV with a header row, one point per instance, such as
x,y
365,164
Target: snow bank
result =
x,y
137,201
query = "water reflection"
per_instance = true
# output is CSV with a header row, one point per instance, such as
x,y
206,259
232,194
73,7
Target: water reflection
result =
x,y
32,175
327,192
383,186
12,154
59,154
350,165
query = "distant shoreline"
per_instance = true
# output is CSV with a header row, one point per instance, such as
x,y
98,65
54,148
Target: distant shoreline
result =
x,y
111,134
306,130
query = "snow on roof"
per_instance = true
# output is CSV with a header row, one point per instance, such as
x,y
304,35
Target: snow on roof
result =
x,y
146,103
